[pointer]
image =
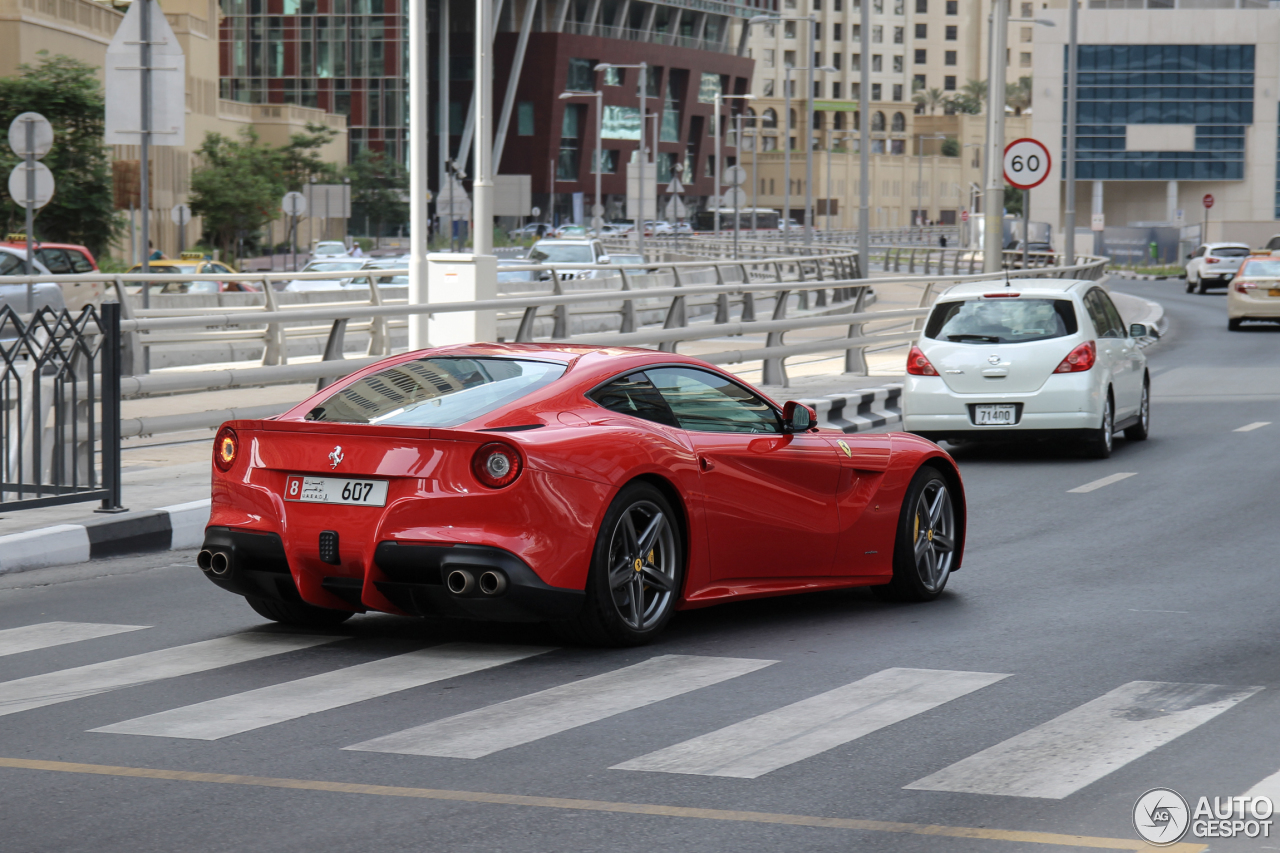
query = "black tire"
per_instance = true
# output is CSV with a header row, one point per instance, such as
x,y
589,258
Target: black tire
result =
x,y
632,590
298,613
1201,287
1233,324
1191,285
924,551
1099,442
1140,430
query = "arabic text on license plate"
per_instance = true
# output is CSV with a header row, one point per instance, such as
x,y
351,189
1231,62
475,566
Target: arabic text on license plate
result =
x,y
994,415
335,490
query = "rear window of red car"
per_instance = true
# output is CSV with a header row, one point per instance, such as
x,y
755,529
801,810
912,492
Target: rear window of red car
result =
x,y
436,392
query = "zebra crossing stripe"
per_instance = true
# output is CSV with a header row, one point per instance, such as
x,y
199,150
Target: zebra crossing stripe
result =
x,y
762,744
538,715
1058,758
50,688
230,715
28,638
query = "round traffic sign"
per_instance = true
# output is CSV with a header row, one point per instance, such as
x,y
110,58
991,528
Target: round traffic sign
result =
x,y
535,211
180,214
294,204
734,197
1208,201
964,216
18,185
41,130
597,210
735,176
1026,163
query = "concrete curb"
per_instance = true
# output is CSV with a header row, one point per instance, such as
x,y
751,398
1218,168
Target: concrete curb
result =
x,y
165,529
859,411
1134,276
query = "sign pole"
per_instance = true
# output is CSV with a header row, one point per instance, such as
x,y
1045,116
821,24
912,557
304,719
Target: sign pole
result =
x,y
1026,225
143,183
31,209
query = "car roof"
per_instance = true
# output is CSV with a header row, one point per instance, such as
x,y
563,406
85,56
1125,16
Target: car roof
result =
x,y
1226,245
569,241
1023,286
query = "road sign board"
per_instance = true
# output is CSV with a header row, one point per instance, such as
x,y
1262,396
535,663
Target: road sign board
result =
x,y
123,83
294,204
180,214
1208,201
964,216
18,185
1026,163
1098,222
735,176
43,133
537,211
597,210
735,197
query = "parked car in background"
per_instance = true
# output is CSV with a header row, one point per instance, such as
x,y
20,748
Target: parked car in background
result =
x,y
330,249
1273,244
43,294
571,251
571,230
656,227
1255,292
65,259
394,263
1033,358
620,228
619,260
340,265
526,232
1214,265
191,264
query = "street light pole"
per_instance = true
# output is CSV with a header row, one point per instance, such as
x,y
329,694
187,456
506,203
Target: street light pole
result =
x,y
482,188
808,140
643,68
1069,154
597,220
993,209
786,164
719,182
920,176
864,144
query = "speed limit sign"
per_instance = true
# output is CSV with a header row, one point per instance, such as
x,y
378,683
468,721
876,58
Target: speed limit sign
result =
x,y
1026,163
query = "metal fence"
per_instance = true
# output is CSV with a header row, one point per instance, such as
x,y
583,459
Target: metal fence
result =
x,y
59,397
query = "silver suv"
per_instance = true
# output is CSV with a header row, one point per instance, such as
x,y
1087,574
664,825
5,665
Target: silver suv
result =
x,y
583,250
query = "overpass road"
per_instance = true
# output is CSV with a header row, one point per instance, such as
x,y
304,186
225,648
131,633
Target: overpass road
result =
x,y
1098,642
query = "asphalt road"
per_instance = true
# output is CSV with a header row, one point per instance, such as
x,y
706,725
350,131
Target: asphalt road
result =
x,y
1096,644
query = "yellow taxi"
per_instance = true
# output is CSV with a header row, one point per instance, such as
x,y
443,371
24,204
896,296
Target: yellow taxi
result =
x,y
1254,294
193,263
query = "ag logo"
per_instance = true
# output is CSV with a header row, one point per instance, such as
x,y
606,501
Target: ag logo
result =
x,y
845,448
1161,816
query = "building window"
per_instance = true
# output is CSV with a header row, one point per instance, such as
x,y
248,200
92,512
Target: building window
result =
x,y
855,32
877,122
922,7
949,83
581,76
836,60
949,57
817,88
897,91
877,62
769,118
567,164
855,62
817,31
789,58
899,7
922,31
710,86
899,35
613,76
855,91
768,89
839,6
952,32
1027,10
899,124
918,83
897,64
837,32
897,146
708,166
769,57
1026,35
817,59
817,5
611,159
835,90
1024,60
876,92
524,118
953,7
877,34
789,29
922,57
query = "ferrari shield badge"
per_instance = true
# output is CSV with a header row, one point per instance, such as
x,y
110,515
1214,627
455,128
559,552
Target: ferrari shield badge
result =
x,y
845,448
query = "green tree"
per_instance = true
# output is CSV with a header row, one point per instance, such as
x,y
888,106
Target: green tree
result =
x,y
950,147
1018,95
67,93
300,161
971,99
1012,200
929,99
378,192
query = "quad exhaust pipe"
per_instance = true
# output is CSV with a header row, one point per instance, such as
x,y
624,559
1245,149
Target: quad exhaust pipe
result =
x,y
463,582
214,562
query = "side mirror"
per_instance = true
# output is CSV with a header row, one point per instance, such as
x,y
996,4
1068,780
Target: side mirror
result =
x,y
603,259
1190,256
1142,330
798,417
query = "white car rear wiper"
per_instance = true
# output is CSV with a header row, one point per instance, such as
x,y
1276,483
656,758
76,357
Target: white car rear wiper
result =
x,y
991,339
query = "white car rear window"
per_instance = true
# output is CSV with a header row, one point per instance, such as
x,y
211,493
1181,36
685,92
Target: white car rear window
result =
x,y
1001,321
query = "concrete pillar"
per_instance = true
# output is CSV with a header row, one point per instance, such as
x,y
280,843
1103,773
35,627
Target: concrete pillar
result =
x,y
1171,201
1097,211
462,278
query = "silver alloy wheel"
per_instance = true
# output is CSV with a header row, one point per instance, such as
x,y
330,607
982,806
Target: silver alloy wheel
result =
x,y
1108,424
933,538
642,565
1145,411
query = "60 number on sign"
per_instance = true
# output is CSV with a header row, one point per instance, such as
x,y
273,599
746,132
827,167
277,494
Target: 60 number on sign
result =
x,y
1026,163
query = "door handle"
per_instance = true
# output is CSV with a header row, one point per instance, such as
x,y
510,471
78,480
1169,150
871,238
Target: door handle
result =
x,y
705,464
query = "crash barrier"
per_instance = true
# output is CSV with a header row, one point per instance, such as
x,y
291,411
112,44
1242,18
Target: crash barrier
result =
x,y
60,399
801,293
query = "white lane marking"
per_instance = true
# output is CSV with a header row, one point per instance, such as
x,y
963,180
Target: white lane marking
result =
x,y
230,715
528,718
64,685
1251,427
1058,758
1183,612
762,744
28,638
1268,787
1098,484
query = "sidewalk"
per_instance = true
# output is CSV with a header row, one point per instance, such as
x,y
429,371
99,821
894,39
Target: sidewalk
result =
x,y
166,481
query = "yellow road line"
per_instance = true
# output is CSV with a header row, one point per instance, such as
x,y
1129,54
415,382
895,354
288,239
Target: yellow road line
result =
x,y
1062,840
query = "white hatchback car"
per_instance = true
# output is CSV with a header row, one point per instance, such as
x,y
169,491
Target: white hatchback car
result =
x,y
1214,265
1031,358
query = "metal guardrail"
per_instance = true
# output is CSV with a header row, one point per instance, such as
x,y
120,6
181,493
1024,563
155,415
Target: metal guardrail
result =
x,y
824,289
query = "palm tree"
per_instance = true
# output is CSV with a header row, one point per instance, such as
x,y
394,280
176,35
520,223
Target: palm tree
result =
x,y
971,98
929,98
1018,95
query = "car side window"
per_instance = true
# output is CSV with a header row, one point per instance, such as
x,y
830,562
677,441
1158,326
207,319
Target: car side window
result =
x,y
1198,253
705,402
10,264
1113,315
79,263
55,260
635,395
1106,322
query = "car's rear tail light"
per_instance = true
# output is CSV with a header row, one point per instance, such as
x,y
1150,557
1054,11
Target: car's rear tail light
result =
x,y
1212,260
1243,286
1079,359
918,364
1003,295
496,465
225,447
